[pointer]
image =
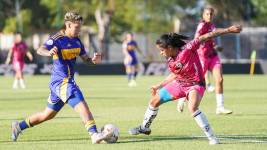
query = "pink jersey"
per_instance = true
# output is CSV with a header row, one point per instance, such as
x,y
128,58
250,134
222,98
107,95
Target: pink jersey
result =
x,y
206,49
187,65
19,51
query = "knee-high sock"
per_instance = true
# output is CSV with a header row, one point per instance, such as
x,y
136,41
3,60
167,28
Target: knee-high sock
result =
x,y
22,84
25,124
150,115
135,74
220,100
15,84
203,123
91,127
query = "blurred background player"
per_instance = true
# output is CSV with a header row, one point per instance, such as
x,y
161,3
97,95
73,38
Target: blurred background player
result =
x,y
210,60
129,46
209,86
64,47
17,53
186,79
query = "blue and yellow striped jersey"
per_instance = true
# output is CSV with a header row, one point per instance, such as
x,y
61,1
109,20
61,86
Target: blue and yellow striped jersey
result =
x,y
62,77
68,50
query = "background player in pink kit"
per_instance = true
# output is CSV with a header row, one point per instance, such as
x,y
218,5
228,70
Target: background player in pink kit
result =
x,y
17,53
210,60
185,80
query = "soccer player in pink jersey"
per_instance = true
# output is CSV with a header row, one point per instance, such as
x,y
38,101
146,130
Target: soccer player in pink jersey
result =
x,y
185,80
210,60
18,52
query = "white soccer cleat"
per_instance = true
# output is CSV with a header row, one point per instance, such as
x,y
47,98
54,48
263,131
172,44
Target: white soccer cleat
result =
x,y
180,105
223,111
132,83
97,138
139,130
213,141
15,129
210,88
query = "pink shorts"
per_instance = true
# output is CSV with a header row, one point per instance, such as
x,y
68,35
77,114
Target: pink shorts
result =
x,y
18,66
176,90
210,63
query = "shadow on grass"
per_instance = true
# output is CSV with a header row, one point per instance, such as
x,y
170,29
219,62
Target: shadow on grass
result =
x,y
224,139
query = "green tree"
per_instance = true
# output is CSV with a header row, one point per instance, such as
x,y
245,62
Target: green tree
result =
x,y
261,12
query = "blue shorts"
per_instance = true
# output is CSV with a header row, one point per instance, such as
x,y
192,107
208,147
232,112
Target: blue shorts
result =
x,y
134,58
73,100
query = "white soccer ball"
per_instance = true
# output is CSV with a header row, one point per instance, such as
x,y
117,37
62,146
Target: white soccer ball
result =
x,y
115,133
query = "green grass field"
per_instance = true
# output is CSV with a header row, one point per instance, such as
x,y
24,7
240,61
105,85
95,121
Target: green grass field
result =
x,y
111,101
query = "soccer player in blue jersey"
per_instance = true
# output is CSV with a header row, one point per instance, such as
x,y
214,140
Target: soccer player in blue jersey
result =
x,y
64,47
129,47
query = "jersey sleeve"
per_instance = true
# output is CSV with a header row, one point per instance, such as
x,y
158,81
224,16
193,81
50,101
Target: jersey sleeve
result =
x,y
192,45
200,29
135,43
50,43
25,46
82,52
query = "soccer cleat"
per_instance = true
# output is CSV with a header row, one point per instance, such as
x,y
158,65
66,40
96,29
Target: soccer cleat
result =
x,y
210,88
180,105
15,131
97,138
140,130
213,141
132,83
223,111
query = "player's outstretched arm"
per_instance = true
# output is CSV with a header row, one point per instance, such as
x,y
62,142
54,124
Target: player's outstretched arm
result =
x,y
45,52
219,32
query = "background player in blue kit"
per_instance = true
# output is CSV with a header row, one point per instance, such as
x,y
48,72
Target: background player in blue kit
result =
x,y
64,47
129,47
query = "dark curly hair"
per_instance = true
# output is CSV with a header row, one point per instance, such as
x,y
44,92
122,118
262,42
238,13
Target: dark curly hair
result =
x,y
174,40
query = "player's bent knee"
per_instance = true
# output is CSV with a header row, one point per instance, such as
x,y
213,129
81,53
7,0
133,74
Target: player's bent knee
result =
x,y
192,109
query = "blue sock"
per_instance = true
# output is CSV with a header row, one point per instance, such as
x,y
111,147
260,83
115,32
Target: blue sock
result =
x,y
129,76
92,129
135,74
23,125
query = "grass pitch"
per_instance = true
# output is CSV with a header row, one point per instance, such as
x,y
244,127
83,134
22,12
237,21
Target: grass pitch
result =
x,y
111,101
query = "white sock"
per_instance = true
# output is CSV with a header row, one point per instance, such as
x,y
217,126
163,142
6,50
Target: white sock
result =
x,y
150,115
220,100
203,123
15,84
22,85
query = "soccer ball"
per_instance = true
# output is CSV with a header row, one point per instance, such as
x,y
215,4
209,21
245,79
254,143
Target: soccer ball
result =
x,y
115,133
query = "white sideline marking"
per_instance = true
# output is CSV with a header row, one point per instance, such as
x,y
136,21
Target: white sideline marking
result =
x,y
243,139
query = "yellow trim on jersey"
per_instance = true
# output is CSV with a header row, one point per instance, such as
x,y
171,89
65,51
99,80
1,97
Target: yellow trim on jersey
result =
x,y
55,56
63,89
68,54
57,35
68,70
130,47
